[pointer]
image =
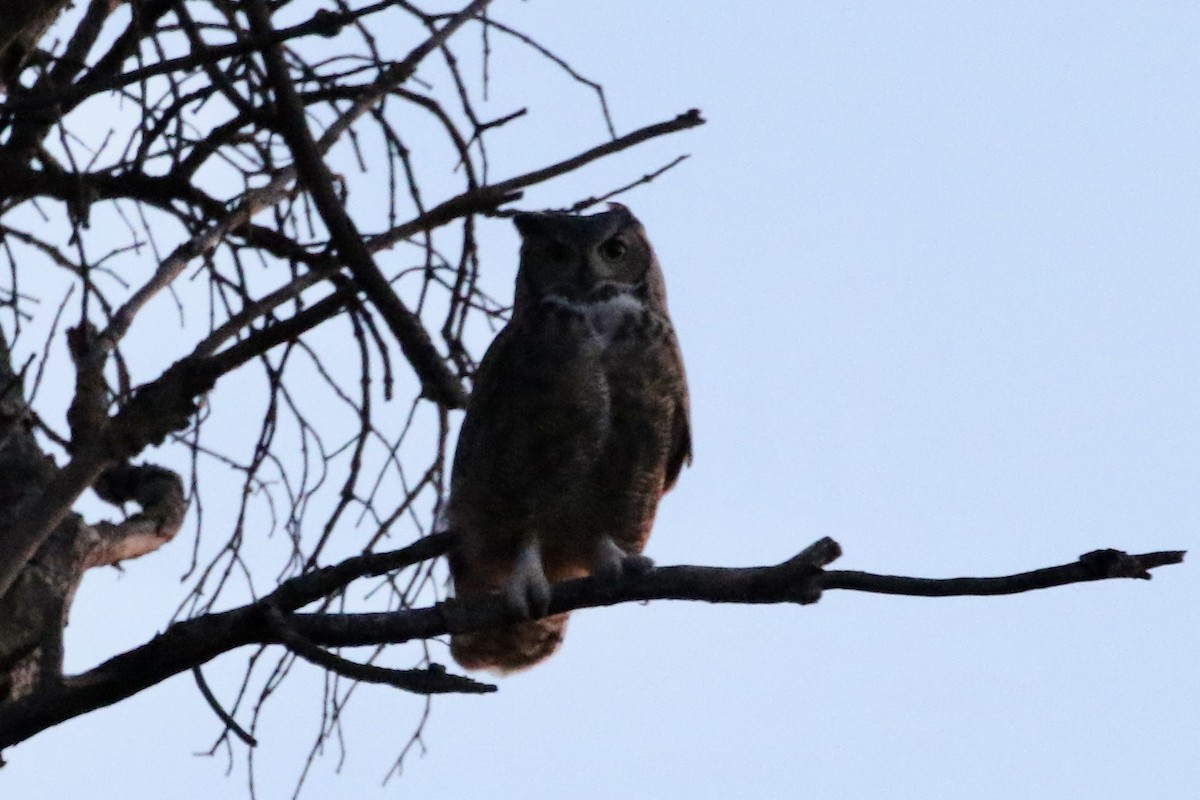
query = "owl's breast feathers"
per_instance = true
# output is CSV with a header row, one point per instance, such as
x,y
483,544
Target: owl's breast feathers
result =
x,y
577,426
578,422
642,369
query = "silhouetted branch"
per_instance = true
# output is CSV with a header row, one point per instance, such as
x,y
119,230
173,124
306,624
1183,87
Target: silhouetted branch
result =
x,y
800,579
324,22
434,680
496,194
231,724
588,202
1094,566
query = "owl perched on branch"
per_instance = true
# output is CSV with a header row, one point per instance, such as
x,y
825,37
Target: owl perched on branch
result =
x,y
578,424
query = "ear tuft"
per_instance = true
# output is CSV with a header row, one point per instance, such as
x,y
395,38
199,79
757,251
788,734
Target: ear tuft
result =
x,y
622,213
529,223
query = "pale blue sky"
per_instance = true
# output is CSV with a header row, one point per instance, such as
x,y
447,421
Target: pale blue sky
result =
x,y
934,271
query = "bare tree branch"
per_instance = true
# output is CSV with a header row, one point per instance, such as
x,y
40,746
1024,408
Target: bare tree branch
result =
x,y
231,724
158,491
434,680
497,194
800,579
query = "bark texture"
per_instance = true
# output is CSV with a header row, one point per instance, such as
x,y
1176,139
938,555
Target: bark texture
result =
x,y
33,612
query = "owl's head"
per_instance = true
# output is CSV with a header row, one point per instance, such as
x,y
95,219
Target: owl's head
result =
x,y
585,258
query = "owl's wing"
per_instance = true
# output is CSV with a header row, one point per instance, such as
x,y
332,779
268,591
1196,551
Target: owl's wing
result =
x,y
472,487
488,410
680,451
536,409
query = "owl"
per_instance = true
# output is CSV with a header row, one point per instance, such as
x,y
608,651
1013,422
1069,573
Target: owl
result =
x,y
577,426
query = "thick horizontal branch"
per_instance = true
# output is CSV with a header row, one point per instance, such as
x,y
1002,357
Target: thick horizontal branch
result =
x,y
800,579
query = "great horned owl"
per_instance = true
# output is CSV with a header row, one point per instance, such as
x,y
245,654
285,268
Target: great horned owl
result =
x,y
578,424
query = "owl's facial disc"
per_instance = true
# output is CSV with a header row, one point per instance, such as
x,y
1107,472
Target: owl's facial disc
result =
x,y
590,270
583,259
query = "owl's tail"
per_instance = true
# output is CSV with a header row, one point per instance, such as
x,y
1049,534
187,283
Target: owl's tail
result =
x,y
511,647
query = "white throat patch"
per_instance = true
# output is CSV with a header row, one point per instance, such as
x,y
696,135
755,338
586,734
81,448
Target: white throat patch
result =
x,y
604,316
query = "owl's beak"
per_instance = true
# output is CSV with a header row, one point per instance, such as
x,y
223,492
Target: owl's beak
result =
x,y
585,278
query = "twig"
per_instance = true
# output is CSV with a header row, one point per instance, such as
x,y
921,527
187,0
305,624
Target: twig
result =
x,y
230,723
497,194
434,680
647,178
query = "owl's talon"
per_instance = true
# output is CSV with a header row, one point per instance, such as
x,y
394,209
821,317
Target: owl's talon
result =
x,y
611,563
636,566
608,560
527,591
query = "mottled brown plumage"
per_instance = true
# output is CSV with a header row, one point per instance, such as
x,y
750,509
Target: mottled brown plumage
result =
x,y
577,425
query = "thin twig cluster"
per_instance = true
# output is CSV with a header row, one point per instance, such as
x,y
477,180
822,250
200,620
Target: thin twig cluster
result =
x,y
265,216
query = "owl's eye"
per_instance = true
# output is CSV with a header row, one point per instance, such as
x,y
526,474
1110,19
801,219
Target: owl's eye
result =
x,y
614,249
557,252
